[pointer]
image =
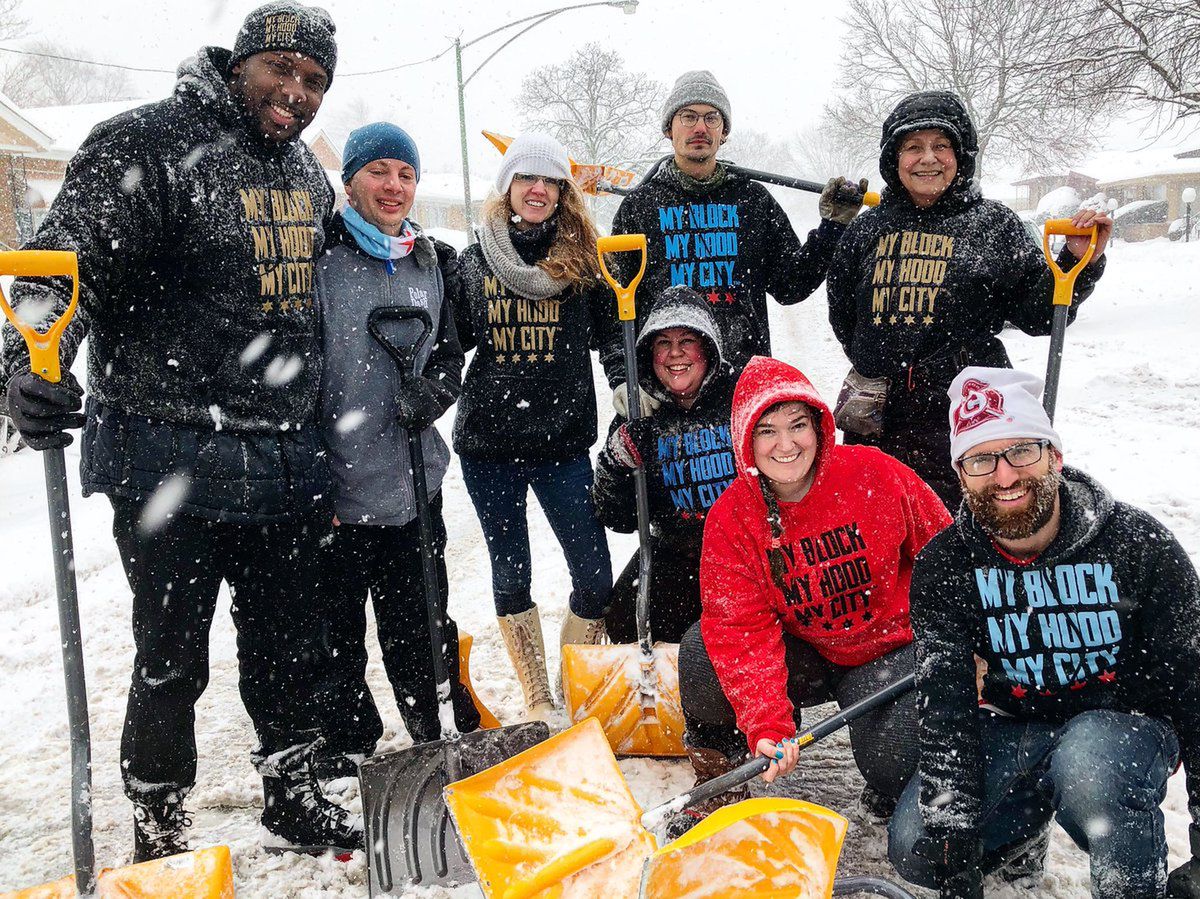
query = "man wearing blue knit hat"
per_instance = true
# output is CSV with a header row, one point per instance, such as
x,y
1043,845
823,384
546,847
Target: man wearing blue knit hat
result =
x,y
381,258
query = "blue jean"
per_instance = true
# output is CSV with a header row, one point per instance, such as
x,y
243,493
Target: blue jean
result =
x,y
1102,775
499,490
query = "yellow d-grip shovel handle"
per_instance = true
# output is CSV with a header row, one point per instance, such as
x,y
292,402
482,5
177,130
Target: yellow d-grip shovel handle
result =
x,y
1064,282
43,345
623,243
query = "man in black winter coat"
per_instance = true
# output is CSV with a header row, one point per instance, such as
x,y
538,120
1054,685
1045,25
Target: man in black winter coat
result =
x,y
197,221
1086,614
920,286
719,233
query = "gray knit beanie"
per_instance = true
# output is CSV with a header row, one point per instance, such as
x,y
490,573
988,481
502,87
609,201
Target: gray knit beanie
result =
x,y
288,25
699,86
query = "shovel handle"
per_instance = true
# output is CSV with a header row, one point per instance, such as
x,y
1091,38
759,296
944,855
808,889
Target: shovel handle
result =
x,y
1064,282
43,345
756,766
623,243
870,198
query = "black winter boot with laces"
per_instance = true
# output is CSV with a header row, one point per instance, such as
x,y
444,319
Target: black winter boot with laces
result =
x,y
160,829
297,814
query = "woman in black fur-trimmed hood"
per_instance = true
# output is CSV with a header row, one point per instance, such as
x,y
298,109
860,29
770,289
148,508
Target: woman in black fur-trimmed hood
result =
x,y
920,286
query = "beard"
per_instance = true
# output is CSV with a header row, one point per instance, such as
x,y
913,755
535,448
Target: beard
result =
x,y
1017,524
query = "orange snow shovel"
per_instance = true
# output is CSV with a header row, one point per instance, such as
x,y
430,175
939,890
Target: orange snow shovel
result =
x,y
1064,289
592,178
487,720
559,821
633,689
158,878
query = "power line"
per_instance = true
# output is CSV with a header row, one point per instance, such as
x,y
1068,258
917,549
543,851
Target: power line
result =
x,y
114,65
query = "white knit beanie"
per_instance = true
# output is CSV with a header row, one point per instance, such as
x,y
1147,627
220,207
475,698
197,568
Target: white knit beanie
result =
x,y
995,403
533,154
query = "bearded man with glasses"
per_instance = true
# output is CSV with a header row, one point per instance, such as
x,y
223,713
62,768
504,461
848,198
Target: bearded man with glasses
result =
x,y
719,233
1086,613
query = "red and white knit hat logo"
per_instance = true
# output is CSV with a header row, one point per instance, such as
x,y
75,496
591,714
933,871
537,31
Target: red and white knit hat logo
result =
x,y
980,403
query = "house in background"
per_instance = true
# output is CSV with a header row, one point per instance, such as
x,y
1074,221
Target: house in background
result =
x,y
37,143
1144,183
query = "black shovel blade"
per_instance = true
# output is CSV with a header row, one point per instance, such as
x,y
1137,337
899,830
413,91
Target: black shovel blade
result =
x,y
410,838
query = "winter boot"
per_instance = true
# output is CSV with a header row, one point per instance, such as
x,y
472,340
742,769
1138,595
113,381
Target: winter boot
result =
x,y
875,805
707,763
160,828
1026,866
576,630
295,811
523,637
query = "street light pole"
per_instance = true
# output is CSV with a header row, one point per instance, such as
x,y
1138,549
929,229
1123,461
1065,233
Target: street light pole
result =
x,y
629,7
1189,197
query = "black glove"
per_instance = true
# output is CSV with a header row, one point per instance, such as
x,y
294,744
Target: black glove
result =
x,y
1184,882
421,401
841,200
43,411
956,859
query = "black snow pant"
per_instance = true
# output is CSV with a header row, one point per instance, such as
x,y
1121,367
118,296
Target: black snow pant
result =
x,y
384,561
175,572
674,592
884,742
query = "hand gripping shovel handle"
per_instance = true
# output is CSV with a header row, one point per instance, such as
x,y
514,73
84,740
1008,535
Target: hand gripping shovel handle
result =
x,y
406,361
756,766
627,313
1064,288
44,361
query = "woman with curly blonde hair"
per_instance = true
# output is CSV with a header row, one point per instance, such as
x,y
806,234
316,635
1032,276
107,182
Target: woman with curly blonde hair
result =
x,y
529,301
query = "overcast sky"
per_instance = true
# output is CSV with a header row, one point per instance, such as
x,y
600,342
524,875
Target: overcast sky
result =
x,y
777,61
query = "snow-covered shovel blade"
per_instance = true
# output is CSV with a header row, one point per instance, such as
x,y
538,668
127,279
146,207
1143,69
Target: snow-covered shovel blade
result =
x,y
557,818
410,839
605,682
632,690
202,874
761,848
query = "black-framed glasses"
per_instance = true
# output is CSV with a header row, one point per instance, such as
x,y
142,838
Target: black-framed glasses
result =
x,y
688,119
526,178
1019,455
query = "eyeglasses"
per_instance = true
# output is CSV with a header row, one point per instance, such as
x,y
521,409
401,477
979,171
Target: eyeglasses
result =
x,y
1020,455
525,178
688,119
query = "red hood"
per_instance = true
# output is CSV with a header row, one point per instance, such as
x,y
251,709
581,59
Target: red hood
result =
x,y
764,383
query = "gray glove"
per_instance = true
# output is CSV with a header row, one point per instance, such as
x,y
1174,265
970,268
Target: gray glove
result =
x,y
621,401
841,200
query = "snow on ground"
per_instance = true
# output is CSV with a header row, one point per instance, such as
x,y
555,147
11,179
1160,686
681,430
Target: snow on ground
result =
x,y
1129,411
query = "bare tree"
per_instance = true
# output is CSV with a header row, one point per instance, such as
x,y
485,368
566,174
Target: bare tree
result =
x,y
830,149
12,26
983,51
52,79
1144,50
759,150
598,110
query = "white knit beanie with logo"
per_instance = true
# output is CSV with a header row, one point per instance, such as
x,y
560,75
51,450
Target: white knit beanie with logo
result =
x,y
994,404
533,154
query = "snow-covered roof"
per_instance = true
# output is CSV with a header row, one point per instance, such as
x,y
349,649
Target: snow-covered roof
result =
x,y
1130,153
16,116
69,125
448,186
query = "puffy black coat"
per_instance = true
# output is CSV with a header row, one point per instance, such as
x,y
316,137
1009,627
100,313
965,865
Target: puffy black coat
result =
x,y
196,240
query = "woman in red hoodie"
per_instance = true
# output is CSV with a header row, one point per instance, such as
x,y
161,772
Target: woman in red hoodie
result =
x,y
804,579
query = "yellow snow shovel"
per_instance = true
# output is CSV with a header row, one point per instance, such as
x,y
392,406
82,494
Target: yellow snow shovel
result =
x,y
135,880
1064,289
559,821
633,689
203,873
592,178
487,720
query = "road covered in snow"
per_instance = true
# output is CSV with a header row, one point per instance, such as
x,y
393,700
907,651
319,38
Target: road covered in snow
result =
x,y
1129,413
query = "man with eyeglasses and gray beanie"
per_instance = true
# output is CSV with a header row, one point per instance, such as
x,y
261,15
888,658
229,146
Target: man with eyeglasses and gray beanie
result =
x,y
1085,614
719,233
